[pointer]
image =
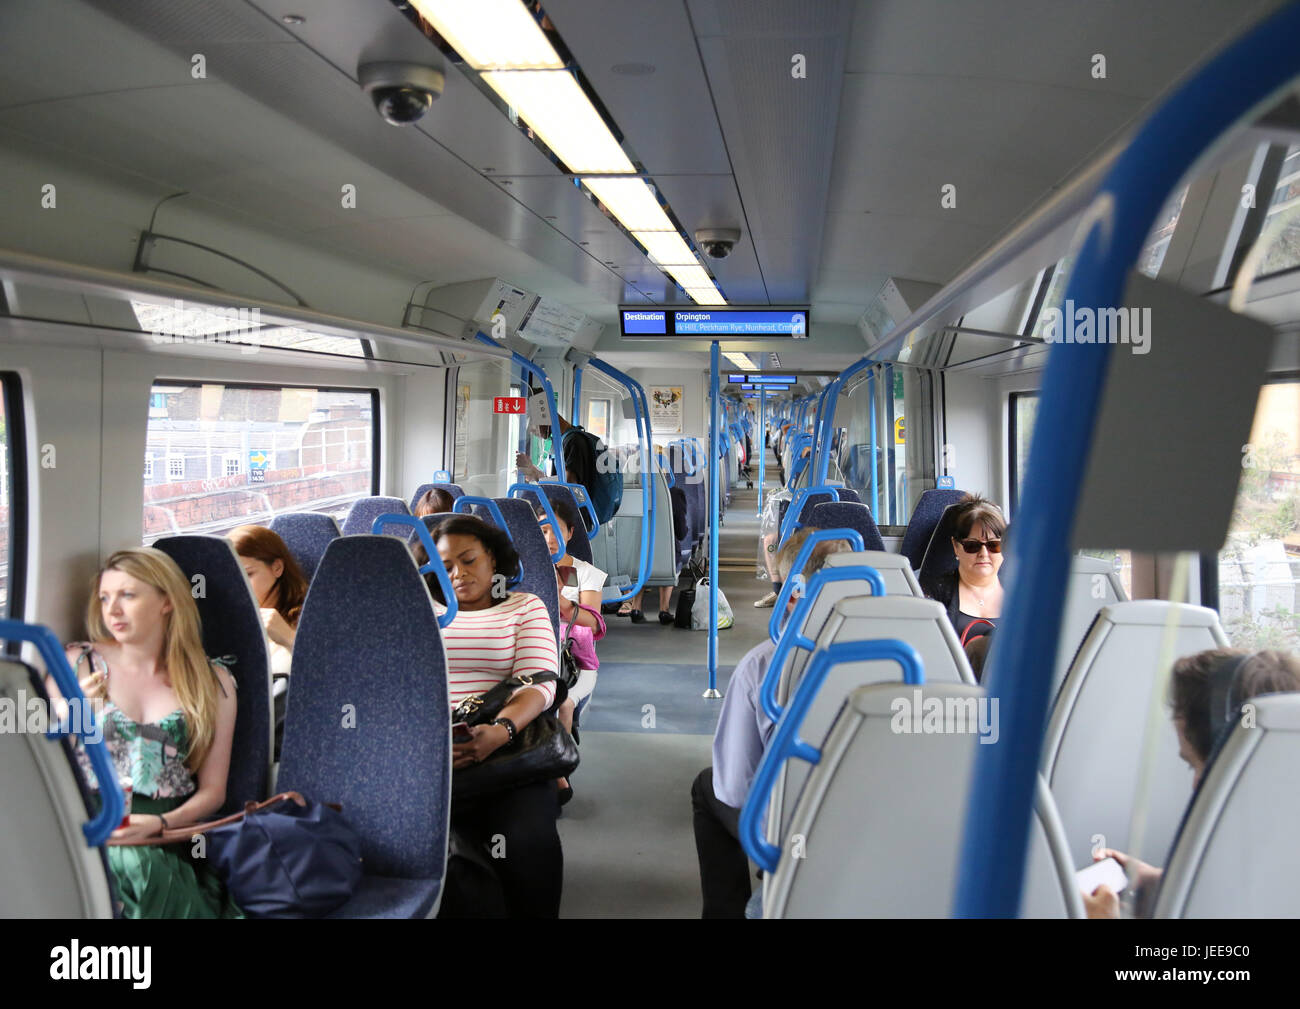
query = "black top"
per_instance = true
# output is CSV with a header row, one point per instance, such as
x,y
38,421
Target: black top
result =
x,y
944,590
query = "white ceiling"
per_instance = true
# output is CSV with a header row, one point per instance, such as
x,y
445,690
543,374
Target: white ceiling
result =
x,y
835,179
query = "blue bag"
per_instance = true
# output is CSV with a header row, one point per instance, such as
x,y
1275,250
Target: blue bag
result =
x,y
287,857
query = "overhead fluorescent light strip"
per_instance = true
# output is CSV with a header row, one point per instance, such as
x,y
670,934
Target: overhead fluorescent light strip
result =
x,y
706,296
491,34
740,360
666,248
632,202
552,103
690,276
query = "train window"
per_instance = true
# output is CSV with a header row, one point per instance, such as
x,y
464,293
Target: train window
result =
x,y
1282,222
598,411
239,453
1259,565
1023,411
1153,253
12,496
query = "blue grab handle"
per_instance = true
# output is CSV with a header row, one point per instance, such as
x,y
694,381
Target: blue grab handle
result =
x,y
801,558
792,636
434,565
786,742
801,496
580,494
469,500
546,507
112,801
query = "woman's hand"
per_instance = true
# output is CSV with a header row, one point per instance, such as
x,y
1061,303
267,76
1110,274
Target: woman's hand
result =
x,y
487,740
1141,874
1103,902
279,631
141,827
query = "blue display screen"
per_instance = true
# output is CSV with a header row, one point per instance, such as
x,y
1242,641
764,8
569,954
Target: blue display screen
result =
x,y
715,323
645,322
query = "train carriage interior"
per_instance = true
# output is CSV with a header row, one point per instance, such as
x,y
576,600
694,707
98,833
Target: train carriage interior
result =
x,y
922,378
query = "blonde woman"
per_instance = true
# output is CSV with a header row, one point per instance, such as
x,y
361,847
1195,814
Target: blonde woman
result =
x,y
169,719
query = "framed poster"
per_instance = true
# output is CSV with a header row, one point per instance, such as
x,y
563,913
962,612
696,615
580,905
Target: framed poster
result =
x,y
665,409
461,453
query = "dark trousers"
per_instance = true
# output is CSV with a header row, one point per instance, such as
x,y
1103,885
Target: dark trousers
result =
x,y
724,867
515,831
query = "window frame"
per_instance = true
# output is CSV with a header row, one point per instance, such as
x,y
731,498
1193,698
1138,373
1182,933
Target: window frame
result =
x,y
16,439
1013,437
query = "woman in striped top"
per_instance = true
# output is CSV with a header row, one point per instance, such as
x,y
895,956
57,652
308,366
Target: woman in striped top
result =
x,y
498,634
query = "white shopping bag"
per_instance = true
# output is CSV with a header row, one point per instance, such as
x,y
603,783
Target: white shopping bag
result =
x,y
700,609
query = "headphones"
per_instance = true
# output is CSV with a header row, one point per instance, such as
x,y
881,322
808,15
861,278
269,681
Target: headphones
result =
x,y
1225,701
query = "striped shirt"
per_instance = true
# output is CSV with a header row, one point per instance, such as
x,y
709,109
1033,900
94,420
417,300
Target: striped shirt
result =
x,y
487,646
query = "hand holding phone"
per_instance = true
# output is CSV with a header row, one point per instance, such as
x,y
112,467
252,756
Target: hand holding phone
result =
x,y
460,733
1108,872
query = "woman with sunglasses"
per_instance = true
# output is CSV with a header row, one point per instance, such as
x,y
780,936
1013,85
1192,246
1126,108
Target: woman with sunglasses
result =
x,y
972,593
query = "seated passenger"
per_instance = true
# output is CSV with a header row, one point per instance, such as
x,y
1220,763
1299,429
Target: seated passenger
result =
x,y
1201,731
434,501
168,718
743,734
973,593
498,634
589,581
278,586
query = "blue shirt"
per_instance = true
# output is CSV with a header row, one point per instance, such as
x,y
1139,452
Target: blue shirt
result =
x,y
743,729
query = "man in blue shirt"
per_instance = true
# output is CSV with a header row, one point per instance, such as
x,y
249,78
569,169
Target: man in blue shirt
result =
x,y
743,734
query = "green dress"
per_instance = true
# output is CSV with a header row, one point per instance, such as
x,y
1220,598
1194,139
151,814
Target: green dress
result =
x,y
157,881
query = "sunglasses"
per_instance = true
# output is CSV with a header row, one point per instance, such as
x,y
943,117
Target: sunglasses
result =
x,y
973,546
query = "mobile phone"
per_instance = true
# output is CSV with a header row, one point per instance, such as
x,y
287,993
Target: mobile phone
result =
x,y
1107,871
460,733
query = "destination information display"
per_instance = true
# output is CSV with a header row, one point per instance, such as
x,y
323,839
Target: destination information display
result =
x,y
715,323
753,376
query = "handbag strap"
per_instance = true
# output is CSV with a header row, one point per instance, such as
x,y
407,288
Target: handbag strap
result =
x,y
175,834
971,626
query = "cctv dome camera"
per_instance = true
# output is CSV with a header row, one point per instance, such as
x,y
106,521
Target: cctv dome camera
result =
x,y
717,243
402,92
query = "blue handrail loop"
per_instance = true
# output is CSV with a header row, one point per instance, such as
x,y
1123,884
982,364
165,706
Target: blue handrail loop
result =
x,y
112,802
517,490
786,742
800,559
434,565
1249,72
580,495
793,637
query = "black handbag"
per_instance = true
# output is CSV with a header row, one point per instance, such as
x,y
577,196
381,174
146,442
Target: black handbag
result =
x,y
541,751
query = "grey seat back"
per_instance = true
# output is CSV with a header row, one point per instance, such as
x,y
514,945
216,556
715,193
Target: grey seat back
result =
x,y
580,542
233,626
922,623
1093,585
368,724
877,831
47,871
530,544
616,548
306,534
364,511
1235,854
1092,753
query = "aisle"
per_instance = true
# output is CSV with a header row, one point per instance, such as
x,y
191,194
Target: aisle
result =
x,y
629,848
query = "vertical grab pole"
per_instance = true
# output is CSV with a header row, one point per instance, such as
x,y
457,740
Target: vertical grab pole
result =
x,y
761,441
577,400
875,466
713,522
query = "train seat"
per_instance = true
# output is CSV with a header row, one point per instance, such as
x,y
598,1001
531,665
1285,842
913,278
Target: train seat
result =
x,y
925,519
921,623
1093,585
530,543
364,511
845,515
48,870
580,542
306,534
882,816
232,626
1235,852
618,543
1092,753
453,489
369,647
